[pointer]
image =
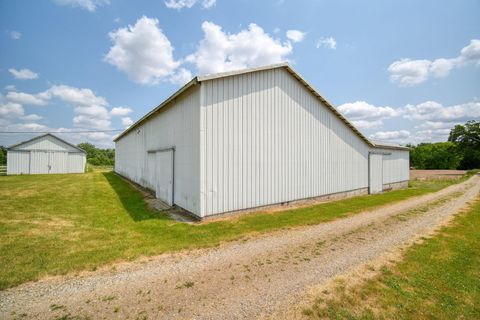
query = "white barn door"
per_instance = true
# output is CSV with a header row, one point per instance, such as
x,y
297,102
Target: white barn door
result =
x,y
164,176
58,162
375,173
39,162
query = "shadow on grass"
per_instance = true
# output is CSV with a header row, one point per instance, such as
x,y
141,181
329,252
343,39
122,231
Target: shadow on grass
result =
x,y
132,200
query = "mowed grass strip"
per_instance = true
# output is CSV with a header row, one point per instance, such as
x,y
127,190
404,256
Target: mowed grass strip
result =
x,y
56,224
438,279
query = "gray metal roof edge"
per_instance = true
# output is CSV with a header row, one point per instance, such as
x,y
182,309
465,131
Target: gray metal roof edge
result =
x,y
44,135
242,71
390,146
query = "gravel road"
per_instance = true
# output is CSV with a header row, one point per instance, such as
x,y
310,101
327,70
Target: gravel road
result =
x,y
243,279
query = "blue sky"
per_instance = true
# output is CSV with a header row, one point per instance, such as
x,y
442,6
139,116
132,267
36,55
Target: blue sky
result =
x,y
403,71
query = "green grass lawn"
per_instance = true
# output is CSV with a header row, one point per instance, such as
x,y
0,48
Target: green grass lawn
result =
x,y
55,224
438,279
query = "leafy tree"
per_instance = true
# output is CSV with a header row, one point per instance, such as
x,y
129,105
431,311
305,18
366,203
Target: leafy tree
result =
x,y
441,155
467,138
3,156
96,156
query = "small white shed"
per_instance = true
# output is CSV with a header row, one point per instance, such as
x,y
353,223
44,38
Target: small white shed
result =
x,y
45,154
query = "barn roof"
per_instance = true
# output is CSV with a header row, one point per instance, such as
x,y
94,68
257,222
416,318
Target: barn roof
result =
x,y
45,135
198,79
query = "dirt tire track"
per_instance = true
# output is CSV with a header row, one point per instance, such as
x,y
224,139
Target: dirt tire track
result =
x,y
242,279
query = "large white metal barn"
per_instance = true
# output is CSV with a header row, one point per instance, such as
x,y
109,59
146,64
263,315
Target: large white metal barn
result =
x,y
43,155
252,138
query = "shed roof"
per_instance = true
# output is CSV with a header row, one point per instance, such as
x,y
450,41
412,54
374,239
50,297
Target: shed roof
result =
x,y
45,135
198,79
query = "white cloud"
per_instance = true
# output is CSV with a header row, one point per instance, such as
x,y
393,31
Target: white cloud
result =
x,y
295,35
77,97
120,111
367,124
23,74
15,35
90,5
471,53
32,126
31,117
441,67
10,87
408,72
181,76
219,51
435,125
434,111
127,122
180,4
25,98
399,135
208,3
90,110
366,116
361,110
329,43
85,121
143,52
11,110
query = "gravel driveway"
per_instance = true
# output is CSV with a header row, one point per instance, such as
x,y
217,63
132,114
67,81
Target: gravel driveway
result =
x,y
239,280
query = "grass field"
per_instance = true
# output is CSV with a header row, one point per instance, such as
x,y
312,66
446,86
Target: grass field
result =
x,y
56,224
438,279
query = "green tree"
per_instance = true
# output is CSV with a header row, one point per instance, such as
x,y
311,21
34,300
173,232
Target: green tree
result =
x,y
467,139
441,155
96,156
3,156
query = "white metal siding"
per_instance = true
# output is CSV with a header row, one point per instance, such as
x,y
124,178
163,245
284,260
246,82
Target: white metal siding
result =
x,y
396,165
76,162
46,143
265,139
375,172
18,162
177,124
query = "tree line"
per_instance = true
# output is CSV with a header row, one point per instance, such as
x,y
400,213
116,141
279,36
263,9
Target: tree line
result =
x,y
461,151
97,156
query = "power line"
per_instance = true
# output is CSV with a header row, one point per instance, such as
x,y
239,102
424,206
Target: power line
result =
x,y
86,131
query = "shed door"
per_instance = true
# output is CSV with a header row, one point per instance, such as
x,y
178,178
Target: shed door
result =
x,y
164,176
39,163
375,172
58,162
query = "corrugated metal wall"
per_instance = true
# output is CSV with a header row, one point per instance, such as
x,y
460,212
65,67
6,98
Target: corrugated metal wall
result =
x,y
176,125
76,163
18,162
375,172
396,165
266,139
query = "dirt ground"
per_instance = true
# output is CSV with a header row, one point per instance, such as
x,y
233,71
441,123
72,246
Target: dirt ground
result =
x,y
440,174
262,277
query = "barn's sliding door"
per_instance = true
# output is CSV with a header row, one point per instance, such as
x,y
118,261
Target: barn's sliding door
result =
x,y
39,162
375,173
164,175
